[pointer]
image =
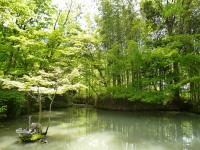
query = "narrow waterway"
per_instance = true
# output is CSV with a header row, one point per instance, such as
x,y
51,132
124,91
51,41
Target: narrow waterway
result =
x,y
79,128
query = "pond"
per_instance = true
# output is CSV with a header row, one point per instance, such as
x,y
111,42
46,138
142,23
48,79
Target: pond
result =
x,y
81,128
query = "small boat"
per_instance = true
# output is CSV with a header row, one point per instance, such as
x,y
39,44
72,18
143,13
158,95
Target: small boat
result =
x,y
32,134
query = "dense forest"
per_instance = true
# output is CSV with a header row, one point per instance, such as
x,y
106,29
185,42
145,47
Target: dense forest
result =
x,y
146,51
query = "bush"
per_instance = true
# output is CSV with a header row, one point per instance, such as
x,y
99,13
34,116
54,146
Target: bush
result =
x,y
11,101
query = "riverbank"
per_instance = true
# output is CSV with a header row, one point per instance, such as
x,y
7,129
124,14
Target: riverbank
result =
x,y
126,105
27,107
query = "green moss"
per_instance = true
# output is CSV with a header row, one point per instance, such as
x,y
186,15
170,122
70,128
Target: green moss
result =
x,y
32,138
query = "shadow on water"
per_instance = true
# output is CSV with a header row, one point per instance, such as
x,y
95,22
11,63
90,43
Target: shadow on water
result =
x,y
88,129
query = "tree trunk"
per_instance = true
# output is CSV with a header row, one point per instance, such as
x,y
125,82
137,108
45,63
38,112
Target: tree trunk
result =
x,y
176,80
40,108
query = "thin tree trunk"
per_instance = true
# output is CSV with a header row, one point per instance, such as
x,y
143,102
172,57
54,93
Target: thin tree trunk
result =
x,y
40,109
40,105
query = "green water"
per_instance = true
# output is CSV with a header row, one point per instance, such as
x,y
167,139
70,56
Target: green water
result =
x,y
79,128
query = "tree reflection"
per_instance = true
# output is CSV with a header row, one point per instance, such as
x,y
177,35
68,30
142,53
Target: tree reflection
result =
x,y
137,128
87,129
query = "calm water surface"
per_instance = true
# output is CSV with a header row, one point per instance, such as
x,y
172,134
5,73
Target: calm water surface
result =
x,y
79,128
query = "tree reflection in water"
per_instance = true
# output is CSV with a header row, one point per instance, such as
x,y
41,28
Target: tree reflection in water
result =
x,y
140,129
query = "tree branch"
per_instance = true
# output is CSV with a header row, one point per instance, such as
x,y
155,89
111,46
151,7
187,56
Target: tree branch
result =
x,y
32,96
54,27
67,17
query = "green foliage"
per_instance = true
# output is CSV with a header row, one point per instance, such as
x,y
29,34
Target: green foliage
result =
x,y
36,38
151,56
156,61
3,109
11,95
151,97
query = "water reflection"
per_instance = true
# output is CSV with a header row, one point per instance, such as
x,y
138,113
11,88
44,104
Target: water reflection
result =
x,y
169,130
89,129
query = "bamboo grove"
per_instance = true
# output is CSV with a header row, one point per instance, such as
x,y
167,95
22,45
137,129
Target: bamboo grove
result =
x,y
151,54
